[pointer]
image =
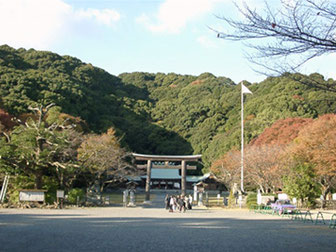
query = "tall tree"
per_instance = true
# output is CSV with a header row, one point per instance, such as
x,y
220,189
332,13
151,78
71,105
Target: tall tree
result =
x,y
37,149
105,159
300,182
316,144
286,38
263,166
282,132
227,168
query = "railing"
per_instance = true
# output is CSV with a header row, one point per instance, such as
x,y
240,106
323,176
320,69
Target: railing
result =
x,y
332,223
299,215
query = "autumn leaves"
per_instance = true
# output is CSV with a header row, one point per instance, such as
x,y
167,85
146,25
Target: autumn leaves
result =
x,y
280,150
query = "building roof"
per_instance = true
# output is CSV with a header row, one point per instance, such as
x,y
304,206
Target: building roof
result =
x,y
166,157
198,178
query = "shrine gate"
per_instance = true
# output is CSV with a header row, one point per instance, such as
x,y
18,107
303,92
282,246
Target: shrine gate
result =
x,y
166,162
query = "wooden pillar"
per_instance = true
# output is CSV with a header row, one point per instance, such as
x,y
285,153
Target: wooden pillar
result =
x,y
183,177
148,179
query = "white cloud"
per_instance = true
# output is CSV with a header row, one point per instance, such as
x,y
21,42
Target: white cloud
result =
x,y
143,19
173,15
39,23
31,22
207,42
106,16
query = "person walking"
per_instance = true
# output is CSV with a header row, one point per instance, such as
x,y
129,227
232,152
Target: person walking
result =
x,y
172,203
189,202
180,203
167,201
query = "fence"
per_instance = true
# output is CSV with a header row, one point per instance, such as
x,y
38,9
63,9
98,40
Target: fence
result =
x,y
319,217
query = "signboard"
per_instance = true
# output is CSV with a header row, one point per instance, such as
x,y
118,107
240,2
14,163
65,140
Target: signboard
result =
x,y
259,198
282,196
31,196
60,194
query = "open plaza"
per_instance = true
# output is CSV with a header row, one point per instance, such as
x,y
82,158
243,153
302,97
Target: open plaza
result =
x,y
153,228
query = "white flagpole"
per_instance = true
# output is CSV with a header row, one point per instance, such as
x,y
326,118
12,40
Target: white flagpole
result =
x,y
242,141
247,91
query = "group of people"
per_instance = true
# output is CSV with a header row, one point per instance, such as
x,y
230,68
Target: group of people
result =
x,y
178,203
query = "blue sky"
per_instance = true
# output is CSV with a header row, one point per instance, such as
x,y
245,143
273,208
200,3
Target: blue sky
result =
x,y
136,35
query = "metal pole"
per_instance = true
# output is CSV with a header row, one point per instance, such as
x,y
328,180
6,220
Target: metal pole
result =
x,y
242,141
148,179
4,189
183,178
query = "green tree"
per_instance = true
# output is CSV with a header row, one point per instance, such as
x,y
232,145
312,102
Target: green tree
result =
x,y
316,144
37,149
301,183
153,113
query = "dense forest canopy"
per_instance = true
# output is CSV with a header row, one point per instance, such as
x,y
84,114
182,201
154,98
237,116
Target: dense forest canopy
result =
x,y
156,113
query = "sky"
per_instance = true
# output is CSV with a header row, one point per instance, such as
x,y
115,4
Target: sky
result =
x,y
137,35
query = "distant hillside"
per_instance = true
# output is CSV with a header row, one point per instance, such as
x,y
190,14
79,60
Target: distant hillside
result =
x,y
156,113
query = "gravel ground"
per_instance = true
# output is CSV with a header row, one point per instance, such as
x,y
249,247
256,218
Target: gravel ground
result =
x,y
155,229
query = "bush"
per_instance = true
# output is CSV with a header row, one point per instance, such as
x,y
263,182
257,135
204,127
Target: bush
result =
x,y
74,193
232,200
17,183
251,199
51,186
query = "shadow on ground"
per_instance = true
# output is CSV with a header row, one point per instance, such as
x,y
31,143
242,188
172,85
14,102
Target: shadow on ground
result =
x,y
62,232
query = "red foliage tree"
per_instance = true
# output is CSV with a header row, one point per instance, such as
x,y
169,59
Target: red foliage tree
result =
x,y
316,144
227,168
6,121
263,166
282,132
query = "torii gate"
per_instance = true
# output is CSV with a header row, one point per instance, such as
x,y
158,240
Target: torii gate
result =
x,y
183,159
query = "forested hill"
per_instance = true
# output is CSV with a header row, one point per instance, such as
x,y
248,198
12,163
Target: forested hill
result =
x,y
156,113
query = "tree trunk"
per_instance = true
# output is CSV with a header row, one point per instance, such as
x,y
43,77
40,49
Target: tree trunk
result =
x,y
325,191
273,190
38,181
262,189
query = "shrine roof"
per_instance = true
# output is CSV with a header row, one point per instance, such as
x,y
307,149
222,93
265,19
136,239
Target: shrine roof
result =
x,y
166,157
